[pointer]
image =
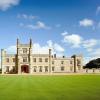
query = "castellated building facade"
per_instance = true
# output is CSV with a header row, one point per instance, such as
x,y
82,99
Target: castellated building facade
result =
x,y
24,61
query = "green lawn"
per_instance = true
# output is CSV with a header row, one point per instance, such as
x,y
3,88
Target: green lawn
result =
x,y
70,87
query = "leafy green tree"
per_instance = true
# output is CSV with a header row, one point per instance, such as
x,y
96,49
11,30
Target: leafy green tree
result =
x,y
93,64
0,70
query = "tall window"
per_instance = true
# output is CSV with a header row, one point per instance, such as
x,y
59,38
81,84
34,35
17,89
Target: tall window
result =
x,y
13,59
40,68
13,68
34,69
46,68
34,59
53,68
78,62
62,68
25,59
7,59
24,50
7,68
71,62
52,62
71,68
40,59
46,59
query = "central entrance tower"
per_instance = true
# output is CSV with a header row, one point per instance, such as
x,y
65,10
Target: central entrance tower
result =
x,y
24,57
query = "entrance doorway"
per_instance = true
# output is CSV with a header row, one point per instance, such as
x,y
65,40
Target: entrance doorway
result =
x,y
25,69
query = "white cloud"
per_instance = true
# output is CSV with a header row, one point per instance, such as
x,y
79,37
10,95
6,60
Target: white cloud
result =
x,y
86,60
38,25
38,49
73,39
93,55
58,48
58,25
5,4
76,41
96,53
86,22
98,10
11,49
50,43
89,44
64,33
25,16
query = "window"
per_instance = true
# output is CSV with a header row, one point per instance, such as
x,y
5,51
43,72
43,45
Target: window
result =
x,y
13,69
46,68
40,68
71,62
25,59
52,62
62,62
62,68
46,59
78,62
34,59
53,68
34,69
13,59
40,59
7,68
24,50
71,68
7,59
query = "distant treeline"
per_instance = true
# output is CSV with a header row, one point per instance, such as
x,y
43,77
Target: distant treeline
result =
x,y
93,64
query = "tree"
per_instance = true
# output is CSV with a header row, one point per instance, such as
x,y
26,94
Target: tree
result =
x,y
0,70
93,64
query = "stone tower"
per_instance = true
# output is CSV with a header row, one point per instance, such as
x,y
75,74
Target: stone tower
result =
x,y
3,54
77,62
24,57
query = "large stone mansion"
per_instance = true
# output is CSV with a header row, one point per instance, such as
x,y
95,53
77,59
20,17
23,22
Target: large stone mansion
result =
x,y
27,62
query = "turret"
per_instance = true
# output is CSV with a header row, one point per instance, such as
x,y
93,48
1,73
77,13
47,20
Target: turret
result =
x,y
74,56
17,42
3,54
30,42
49,52
49,60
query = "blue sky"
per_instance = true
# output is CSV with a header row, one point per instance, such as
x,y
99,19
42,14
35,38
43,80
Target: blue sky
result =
x,y
67,26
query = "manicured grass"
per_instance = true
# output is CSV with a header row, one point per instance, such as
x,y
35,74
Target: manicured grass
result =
x,y
70,87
